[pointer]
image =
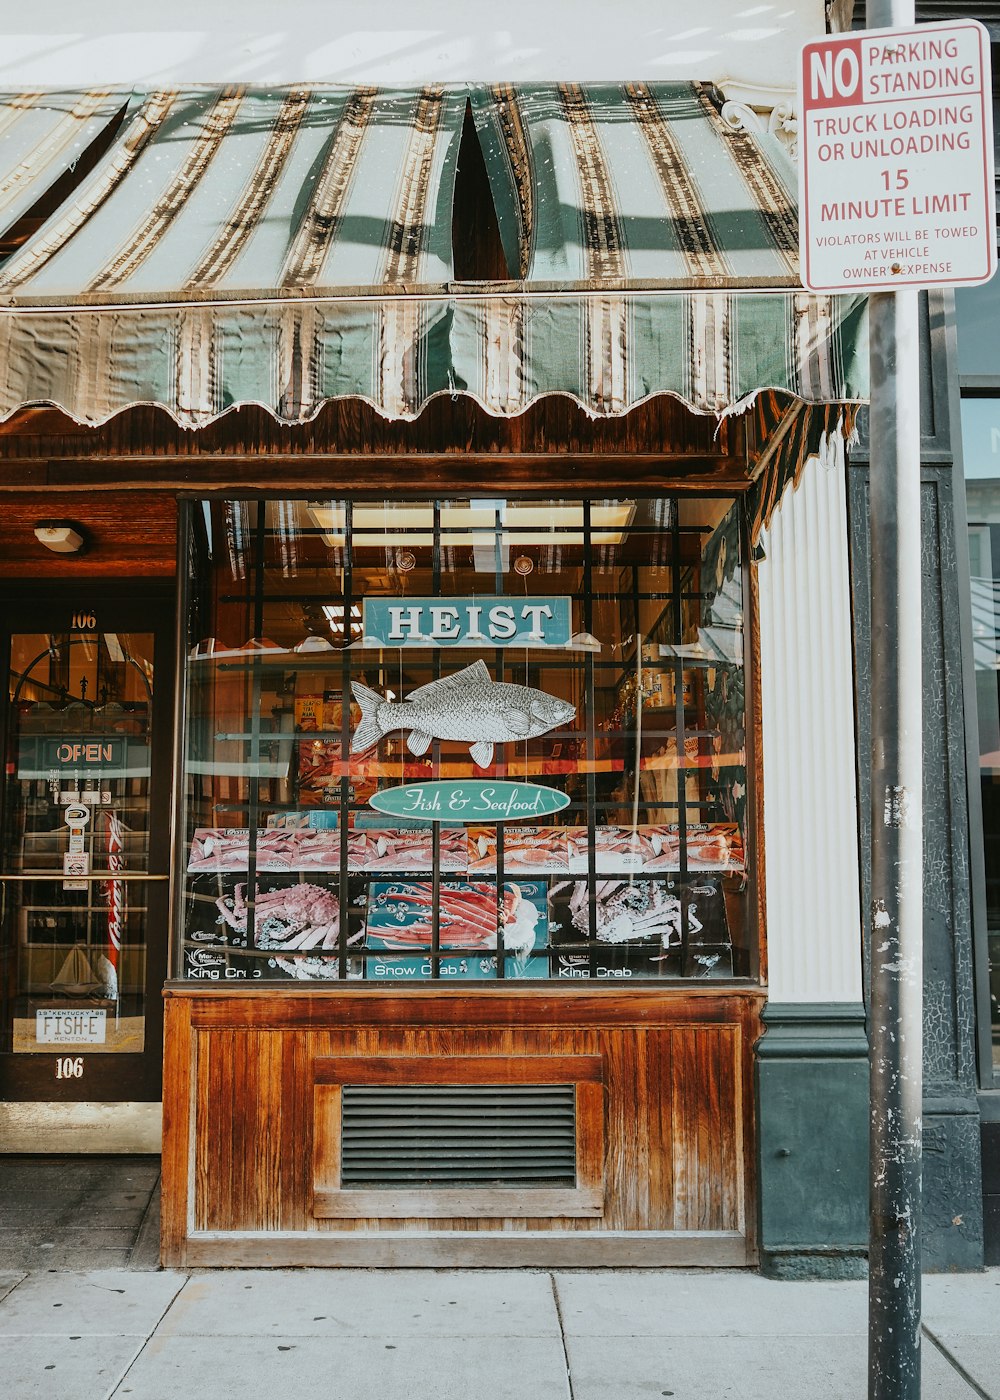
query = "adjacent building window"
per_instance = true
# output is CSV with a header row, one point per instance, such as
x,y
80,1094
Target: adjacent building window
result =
x,y
466,740
978,310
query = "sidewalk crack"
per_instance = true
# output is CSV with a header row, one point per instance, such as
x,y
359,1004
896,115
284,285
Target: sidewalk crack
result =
x,y
116,1388
955,1364
562,1335
14,1286
150,1224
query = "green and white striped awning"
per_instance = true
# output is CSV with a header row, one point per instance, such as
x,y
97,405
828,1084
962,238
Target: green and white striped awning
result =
x,y
288,247
42,135
636,184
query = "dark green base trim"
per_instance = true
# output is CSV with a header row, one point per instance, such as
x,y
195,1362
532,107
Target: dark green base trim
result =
x,y
801,1265
990,1139
813,1029
952,1234
812,1140
812,1143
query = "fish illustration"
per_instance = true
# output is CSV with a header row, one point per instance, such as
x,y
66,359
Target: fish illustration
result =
x,y
468,706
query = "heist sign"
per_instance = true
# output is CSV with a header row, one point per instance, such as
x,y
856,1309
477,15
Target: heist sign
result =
x,y
897,159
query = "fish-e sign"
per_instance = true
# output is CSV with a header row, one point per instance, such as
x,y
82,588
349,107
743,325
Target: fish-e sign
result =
x,y
469,707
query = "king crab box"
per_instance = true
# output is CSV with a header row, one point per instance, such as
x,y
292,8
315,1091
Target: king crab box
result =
x,y
288,929
640,929
408,850
215,849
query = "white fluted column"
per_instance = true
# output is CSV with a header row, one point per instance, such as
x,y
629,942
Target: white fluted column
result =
x,y
807,713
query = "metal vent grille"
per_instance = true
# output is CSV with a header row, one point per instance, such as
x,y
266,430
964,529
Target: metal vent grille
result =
x,y
458,1135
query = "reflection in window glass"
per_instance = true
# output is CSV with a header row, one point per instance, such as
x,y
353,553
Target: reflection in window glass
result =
x,y
983,504
477,739
977,311
981,438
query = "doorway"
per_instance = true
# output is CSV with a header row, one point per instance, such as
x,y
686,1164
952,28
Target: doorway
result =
x,y
84,848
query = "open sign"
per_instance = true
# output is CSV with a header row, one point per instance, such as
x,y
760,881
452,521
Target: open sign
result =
x,y
84,753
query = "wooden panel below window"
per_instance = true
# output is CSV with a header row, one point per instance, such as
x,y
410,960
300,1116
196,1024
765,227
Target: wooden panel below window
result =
x,y
242,1136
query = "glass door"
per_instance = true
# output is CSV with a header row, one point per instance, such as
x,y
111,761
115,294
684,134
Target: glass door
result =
x,y
84,852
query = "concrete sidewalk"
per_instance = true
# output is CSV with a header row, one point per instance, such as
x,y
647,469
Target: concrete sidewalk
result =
x,y
79,1213
471,1335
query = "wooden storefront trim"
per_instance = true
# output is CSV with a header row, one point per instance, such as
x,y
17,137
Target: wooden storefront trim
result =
x,y
176,1162
272,1009
573,473
676,1166
459,428
555,1249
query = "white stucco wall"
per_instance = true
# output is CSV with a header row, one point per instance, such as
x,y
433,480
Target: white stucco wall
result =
x,y
66,42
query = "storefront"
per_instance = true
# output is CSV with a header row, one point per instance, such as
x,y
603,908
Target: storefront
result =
x,y
446,789
445,756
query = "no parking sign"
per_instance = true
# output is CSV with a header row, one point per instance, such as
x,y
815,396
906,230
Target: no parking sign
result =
x,y
896,142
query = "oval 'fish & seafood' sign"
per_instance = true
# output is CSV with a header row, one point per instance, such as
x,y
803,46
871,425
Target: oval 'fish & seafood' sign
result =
x,y
470,801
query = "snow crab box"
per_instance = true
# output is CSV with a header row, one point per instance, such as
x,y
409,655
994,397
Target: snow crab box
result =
x,y
317,818
398,939
277,849
650,848
407,849
617,849
527,850
321,767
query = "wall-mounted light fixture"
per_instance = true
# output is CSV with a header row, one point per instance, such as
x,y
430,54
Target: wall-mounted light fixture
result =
x,y
61,536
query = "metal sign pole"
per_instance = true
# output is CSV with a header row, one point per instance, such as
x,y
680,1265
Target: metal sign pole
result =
x,y
896,1010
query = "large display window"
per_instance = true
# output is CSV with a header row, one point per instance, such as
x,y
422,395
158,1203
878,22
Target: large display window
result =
x,y
468,740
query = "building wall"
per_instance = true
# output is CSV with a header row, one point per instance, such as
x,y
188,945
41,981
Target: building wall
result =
x,y
812,1071
807,704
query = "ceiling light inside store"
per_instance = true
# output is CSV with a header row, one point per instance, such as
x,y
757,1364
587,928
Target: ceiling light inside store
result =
x,y
334,613
467,522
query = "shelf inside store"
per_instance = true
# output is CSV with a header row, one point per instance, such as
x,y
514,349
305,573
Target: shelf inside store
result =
x,y
686,662
35,861
273,736
54,839
462,876
366,659
101,807
96,911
